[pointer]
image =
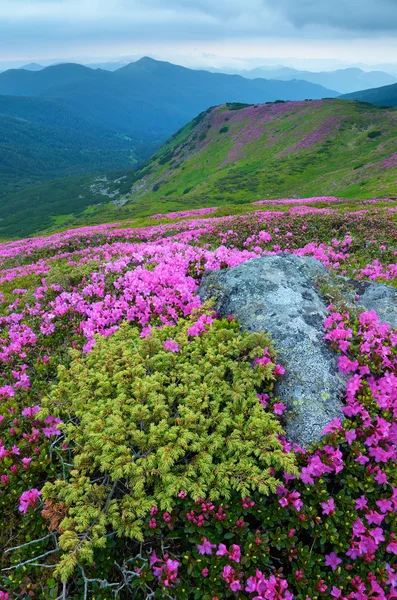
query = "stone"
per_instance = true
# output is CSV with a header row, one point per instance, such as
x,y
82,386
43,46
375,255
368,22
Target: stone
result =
x,y
378,297
277,294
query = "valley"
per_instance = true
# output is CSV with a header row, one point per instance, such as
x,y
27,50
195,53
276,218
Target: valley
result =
x,y
230,155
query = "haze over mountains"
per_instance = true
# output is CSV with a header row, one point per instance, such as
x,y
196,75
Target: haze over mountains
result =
x,y
84,123
165,95
344,80
71,119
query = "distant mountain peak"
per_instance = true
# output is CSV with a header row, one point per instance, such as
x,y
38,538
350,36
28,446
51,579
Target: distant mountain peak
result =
x,y
68,67
33,67
147,60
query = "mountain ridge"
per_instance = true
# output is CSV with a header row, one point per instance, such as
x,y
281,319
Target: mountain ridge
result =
x,y
382,96
147,99
135,109
230,155
347,80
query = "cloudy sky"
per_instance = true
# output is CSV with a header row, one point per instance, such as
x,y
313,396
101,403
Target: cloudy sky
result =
x,y
201,32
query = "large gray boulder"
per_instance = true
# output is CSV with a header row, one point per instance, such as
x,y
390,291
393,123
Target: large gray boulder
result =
x,y
277,294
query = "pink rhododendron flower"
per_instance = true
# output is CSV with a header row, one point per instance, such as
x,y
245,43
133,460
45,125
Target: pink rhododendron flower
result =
x,y
328,507
332,560
28,498
206,547
171,345
279,408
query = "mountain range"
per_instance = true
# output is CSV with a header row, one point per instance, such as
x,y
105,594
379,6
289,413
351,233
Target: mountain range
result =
x,y
69,119
148,96
344,80
230,155
72,139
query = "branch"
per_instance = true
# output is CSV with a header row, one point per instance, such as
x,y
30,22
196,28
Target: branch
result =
x,y
31,560
30,543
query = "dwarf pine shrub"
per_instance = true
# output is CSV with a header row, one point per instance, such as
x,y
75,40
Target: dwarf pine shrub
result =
x,y
153,416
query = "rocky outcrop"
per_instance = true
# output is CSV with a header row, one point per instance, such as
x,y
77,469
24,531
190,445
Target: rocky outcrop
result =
x,y
277,294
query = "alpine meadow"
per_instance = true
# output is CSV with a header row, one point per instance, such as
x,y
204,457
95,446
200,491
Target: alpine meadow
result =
x,y
198,300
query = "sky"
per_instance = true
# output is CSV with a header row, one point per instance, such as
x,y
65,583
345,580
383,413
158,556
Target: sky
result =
x,y
201,33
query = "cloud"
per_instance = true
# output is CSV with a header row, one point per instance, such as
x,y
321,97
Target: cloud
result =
x,y
43,27
356,15
248,15
132,19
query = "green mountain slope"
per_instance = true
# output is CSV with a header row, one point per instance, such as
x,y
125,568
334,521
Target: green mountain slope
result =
x,y
69,119
227,156
381,96
40,140
231,154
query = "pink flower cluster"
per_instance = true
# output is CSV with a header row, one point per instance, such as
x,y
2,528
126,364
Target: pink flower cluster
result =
x,y
165,569
204,511
206,548
286,201
28,498
186,213
150,277
271,588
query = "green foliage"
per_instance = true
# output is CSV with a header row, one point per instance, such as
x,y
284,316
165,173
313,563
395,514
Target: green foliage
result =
x,y
41,140
149,422
237,105
374,134
166,157
224,129
272,165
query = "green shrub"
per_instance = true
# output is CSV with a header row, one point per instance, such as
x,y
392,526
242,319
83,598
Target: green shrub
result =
x,y
237,105
166,157
149,422
224,129
374,134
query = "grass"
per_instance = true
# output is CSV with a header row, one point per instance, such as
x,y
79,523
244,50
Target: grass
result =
x,y
299,149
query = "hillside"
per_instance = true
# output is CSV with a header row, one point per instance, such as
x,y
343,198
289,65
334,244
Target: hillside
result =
x,y
382,96
299,149
69,119
40,140
344,80
232,155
